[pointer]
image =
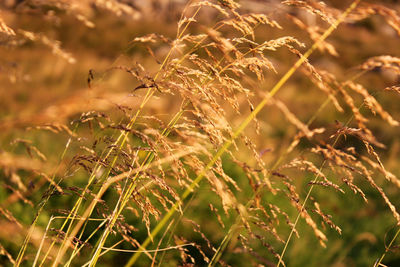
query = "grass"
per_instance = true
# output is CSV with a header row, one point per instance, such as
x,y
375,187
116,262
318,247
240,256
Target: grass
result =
x,y
167,149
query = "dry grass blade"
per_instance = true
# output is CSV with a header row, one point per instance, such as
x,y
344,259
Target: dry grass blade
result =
x,y
239,130
161,138
342,17
4,29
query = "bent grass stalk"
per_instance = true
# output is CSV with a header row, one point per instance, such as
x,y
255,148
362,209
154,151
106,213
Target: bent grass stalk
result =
x,y
306,199
114,180
235,227
97,167
150,156
119,143
123,137
111,181
33,224
387,248
160,145
21,252
125,197
27,238
241,127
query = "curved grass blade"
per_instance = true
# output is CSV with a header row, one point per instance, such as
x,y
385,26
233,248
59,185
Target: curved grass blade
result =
x,y
239,130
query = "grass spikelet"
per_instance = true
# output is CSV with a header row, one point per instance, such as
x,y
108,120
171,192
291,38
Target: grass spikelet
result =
x,y
367,175
219,8
328,14
292,118
295,201
8,255
52,44
8,215
4,29
160,145
118,8
326,218
389,14
315,34
379,166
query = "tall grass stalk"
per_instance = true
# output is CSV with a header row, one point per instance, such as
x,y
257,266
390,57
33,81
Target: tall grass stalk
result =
x,y
52,188
119,143
150,156
239,130
378,263
221,65
236,226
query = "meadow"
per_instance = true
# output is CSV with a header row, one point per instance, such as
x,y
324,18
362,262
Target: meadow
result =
x,y
199,133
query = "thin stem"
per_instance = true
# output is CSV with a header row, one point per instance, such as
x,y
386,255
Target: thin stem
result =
x,y
379,261
122,138
239,130
52,188
340,19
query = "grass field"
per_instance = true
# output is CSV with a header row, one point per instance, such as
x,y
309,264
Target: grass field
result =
x,y
194,133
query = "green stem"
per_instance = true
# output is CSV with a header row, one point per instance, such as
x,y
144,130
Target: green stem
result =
x,y
378,263
239,130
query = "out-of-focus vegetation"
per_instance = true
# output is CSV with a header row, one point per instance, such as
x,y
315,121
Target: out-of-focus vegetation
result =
x,y
145,133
